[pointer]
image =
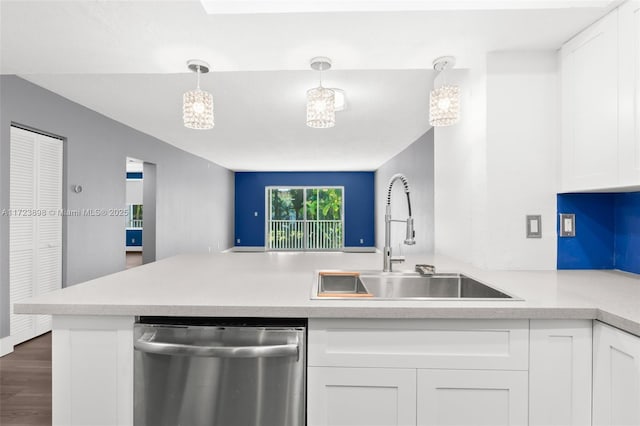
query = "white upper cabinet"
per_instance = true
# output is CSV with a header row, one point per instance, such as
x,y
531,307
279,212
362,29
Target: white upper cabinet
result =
x,y
589,107
601,104
629,93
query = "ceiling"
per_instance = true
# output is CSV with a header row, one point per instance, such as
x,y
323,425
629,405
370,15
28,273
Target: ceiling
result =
x,y
127,60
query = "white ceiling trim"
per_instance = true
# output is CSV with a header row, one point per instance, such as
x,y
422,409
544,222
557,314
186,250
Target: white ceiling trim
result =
x,y
312,6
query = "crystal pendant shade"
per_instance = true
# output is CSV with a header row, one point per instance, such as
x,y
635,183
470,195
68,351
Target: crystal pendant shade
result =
x,y
444,106
321,113
197,109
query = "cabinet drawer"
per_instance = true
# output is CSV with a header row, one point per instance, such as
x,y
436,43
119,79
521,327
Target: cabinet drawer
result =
x,y
453,344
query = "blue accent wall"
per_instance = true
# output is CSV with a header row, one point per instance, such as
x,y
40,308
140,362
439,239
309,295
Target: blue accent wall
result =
x,y
134,175
134,237
607,231
359,198
627,219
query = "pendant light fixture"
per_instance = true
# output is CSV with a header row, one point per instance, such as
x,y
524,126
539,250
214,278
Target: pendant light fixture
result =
x,y
197,105
444,102
321,112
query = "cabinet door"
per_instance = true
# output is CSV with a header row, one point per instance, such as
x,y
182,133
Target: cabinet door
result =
x,y
560,372
472,397
361,396
590,107
629,93
616,377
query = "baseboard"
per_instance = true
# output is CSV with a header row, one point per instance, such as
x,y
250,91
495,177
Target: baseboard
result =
x,y
261,249
6,345
359,249
249,249
134,248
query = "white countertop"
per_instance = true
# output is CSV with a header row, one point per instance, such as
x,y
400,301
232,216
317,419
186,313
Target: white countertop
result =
x,y
279,285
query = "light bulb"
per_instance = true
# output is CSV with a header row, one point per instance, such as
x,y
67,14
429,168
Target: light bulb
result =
x,y
444,103
320,107
198,107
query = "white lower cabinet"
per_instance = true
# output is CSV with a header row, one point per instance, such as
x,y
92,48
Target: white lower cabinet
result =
x,y
616,377
560,372
472,397
387,397
417,372
92,370
361,396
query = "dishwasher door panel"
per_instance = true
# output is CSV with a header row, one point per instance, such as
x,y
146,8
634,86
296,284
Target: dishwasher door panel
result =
x,y
219,376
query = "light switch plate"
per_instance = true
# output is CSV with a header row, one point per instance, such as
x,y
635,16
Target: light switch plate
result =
x,y
567,225
534,226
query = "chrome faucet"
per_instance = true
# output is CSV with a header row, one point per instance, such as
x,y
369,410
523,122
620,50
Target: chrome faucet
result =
x,y
388,260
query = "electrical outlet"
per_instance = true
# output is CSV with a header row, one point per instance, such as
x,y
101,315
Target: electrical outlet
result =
x,y
534,226
238,241
361,240
567,225
255,214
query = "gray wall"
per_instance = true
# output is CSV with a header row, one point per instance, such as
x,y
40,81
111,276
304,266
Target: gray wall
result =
x,y
194,196
149,212
416,163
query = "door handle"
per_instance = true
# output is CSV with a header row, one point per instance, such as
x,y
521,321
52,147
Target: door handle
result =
x,y
146,344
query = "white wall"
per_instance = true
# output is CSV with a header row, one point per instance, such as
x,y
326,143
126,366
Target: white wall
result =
x,y
498,164
416,163
460,172
523,137
134,191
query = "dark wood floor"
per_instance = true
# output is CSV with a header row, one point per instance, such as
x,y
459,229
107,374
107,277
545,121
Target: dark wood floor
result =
x,y
25,378
25,384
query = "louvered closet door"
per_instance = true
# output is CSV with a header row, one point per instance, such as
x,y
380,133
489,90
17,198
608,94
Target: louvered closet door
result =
x,y
49,226
22,232
35,259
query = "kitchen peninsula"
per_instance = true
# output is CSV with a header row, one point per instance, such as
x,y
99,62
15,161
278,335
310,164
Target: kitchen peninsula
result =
x,y
93,321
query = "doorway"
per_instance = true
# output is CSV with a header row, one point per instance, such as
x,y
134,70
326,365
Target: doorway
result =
x,y
140,229
135,221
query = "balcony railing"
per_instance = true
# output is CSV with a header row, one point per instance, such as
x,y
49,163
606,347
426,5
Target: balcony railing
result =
x,y
134,223
305,235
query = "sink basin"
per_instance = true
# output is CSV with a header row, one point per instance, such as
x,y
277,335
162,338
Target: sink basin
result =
x,y
376,285
341,284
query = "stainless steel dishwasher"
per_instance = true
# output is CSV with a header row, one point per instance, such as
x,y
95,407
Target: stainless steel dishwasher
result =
x,y
219,372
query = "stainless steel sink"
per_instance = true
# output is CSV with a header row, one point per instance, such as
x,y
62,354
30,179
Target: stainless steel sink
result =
x,y
376,285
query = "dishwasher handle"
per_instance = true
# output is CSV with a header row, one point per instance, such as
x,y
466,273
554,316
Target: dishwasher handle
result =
x,y
146,344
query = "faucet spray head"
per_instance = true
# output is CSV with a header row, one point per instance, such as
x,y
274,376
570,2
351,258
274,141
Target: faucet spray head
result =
x,y
411,233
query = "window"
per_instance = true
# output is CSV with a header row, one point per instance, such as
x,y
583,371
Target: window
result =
x,y
305,218
134,220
